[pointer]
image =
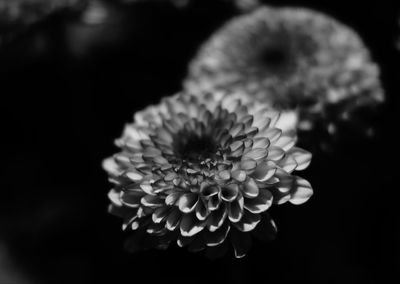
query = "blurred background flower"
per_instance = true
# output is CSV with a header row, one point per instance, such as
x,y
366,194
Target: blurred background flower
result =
x,y
17,15
297,59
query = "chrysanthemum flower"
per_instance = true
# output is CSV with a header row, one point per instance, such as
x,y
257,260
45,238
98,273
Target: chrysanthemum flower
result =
x,y
292,58
203,170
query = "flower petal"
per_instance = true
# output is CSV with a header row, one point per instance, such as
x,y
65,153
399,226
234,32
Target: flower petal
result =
x,y
188,202
114,197
250,189
275,153
285,142
301,191
173,198
288,164
239,175
235,209
190,225
134,176
248,222
173,219
264,171
217,218
248,165
217,237
202,211
241,243
152,201
259,204
214,203
229,192
302,157
256,154
272,134
266,229
160,214
131,198
110,166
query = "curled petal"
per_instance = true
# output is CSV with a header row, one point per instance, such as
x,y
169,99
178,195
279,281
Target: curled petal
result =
x,y
217,237
250,189
156,229
301,191
239,175
302,157
235,209
264,171
285,142
273,134
208,191
214,202
129,219
217,218
190,226
188,202
256,154
147,188
202,210
134,176
248,222
152,201
229,192
261,142
259,204
111,167
173,219
241,243
131,198
160,214
114,197
275,153
288,164
172,198
266,230
248,165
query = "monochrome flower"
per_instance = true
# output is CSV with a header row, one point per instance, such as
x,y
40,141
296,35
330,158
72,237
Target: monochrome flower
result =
x,y
291,58
203,170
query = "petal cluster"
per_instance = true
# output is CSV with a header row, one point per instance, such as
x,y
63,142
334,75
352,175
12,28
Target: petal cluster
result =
x,y
203,171
292,58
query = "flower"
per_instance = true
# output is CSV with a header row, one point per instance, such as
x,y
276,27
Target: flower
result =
x,y
201,170
294,59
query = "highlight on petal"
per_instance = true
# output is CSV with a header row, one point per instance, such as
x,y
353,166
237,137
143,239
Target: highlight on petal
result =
x,y
301,191
261,203
302,158
190,225
188,202
248,222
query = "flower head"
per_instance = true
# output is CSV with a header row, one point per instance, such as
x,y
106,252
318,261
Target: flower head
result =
x,y
292,58
203,170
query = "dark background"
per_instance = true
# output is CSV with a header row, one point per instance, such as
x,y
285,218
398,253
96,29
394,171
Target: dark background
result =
x,y
68,88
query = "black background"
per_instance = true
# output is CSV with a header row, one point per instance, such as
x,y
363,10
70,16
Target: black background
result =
x,y
64,100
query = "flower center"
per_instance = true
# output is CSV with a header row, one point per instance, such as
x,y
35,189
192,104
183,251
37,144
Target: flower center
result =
x,y
194,147
274,57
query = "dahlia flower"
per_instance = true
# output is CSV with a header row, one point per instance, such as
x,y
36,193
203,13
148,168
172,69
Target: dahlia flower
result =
x,y
202,172
294,59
